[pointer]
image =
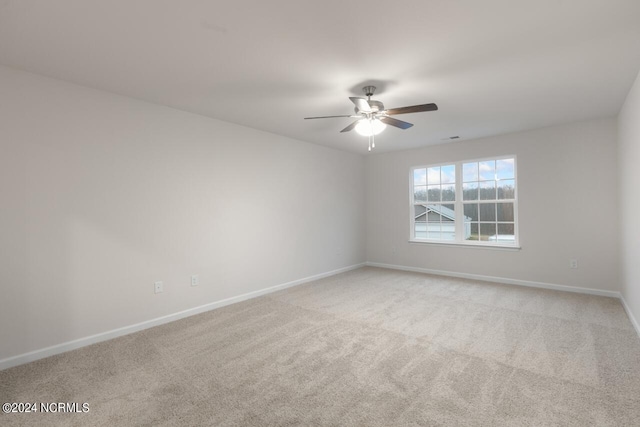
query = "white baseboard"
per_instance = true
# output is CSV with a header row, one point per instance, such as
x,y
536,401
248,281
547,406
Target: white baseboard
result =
x,y
599,292
104,336
633,319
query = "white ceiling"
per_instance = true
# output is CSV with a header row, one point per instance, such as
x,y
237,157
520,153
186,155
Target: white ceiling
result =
x,y
492,66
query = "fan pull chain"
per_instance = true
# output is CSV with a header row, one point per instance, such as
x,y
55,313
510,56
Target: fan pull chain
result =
x,y
372,141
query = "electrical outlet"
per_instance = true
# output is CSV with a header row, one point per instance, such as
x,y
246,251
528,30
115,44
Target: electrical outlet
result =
x,y
573,263
195,280
158,287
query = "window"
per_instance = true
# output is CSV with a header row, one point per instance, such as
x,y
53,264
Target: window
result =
x,y
471,202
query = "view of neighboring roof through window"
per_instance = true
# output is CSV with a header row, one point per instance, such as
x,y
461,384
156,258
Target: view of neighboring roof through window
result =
x,y
467,202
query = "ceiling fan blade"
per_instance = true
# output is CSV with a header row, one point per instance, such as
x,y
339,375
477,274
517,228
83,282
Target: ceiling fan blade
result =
x,y
362,104
351,126
325,117
412,109
395,122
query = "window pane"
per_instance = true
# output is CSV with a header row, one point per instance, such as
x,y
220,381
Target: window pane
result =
x,y
433,230
504,169
487,211
438,213
433,214
471,212
470,172
433,193
448,212
448,234
420,213
470,191
420,230
505,212
433,175
466,231
441,221
506,189
488,190
448,222
420,194
506,233
448,193
487,231
448,174
487,170
419,177
472,229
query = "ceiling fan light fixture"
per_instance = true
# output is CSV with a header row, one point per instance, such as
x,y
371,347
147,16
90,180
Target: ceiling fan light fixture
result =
x,y
373,118
368,127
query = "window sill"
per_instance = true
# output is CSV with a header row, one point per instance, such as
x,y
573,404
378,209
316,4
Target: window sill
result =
x,y
468,245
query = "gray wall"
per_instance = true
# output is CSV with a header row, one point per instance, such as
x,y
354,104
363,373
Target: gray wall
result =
x,y
629,154
567,191
102,195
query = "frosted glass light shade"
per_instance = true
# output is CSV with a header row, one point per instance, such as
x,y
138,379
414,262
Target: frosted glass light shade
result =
x,y
370,127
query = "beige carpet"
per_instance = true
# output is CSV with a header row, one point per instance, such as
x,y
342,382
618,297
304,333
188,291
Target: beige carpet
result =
x,y
371,347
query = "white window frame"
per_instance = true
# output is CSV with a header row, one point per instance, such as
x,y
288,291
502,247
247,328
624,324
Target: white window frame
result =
x,y
459,207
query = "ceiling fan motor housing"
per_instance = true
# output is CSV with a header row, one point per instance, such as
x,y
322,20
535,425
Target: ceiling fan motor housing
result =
x,y
375,106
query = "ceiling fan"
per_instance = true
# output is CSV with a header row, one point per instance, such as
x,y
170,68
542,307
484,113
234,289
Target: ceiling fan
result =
x,y
373,118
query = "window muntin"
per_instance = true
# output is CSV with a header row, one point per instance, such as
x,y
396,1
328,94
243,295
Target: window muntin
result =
x,y
471,202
